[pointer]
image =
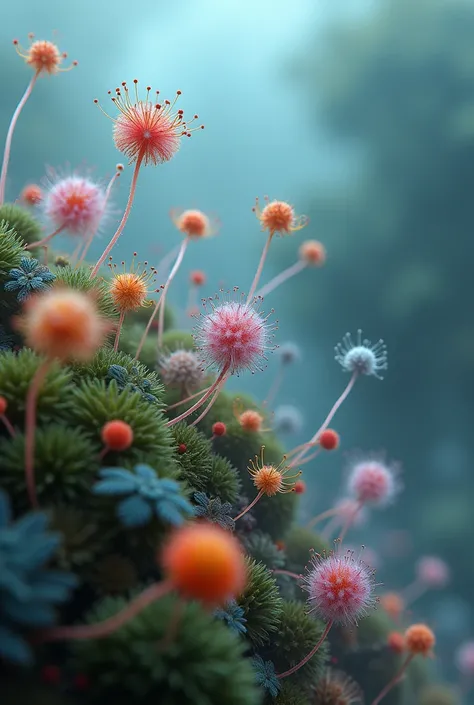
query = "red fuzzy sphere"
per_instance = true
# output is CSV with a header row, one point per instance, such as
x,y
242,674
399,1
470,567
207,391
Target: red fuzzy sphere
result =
x,y
117,435
329,439
219,429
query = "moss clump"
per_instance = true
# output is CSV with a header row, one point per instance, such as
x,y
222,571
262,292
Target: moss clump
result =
x,y
292,694
83,536
438,694
223,480
193,456
299,542
261,603
114,575
130,339
16,374
261,547
65,462
80,279
202,665
11,250
22,222
297,634
177,340
95,403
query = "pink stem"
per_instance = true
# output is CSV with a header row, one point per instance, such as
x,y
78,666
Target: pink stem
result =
x,y
309,656
324,515
349,521
295,268
280,571
123,222
273,391
30,427
8,425
222,377
252,504
94,232
260,267
326,533
165,262
41,243
328,419
310,457
208,407
413,592
119,328
11,129
183,401
148,326
397,677
110,625
176,266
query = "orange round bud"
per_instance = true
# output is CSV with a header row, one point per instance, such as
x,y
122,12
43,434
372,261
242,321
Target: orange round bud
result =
x,y
313,253
117,435
419,639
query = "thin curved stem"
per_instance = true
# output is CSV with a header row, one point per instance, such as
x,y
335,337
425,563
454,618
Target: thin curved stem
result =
x,y
94,232
349,521
11,129
220,379
148,326
321,517
273,391
45,240
176,266
208,407
110,625
250,506
30,427
119,329
328,419
183,401
310,457
118,232
281,571
391,684
8,425
309,656
295,268
412,592
258,273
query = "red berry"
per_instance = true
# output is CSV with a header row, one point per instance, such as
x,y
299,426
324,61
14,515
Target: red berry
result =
x,y
182,448
198,278
329,439
300,487
50,674
3,405
219,429
117,435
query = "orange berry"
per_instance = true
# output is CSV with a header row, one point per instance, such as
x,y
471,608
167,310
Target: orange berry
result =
x,y
396,642
3,405
313,253
205,563
329,439
63,323
251,421
198,278
194,223
117,435
219,429
393,604
419,639
32,195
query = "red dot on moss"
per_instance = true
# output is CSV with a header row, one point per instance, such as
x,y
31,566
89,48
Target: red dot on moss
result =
x,y
182,448
3,405
117,435
329,439
300,487
219,428
51,674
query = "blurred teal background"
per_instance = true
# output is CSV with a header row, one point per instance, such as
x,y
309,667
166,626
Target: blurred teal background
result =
x,y
359,113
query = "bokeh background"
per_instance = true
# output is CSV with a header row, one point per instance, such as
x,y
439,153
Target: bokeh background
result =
x,y
359,113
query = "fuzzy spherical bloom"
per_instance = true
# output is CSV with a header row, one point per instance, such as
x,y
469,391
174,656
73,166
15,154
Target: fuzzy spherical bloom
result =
x,y
63,323
374,482
31,195
419,639
340,587
313,253
396,642
42,56
76,204
464,658
117,435
181,369
329,439
234,335
289,353
271,479
3,405
288,419
361,357
197,277
219,429
195,224
433,572
129,290
251,421
279,217
337,688
147,131
205,563
393,604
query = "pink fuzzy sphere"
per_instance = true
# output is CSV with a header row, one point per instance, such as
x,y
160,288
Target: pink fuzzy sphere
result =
x,y
233,336
372,482
433,572
75,203
464,658
340,587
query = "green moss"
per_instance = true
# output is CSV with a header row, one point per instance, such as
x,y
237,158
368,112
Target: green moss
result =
x,y
83,536
261,603
223,481
21,220
374,629
195,463
95,403
80,279
298,545
291,694
114,574
16,374
11,250
202,664
130,339
262,548
438,694
177,340
65,463
297,634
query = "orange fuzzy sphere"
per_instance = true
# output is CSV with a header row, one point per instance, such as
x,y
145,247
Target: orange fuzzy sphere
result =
x,y
278,217
396,642
193,223
117,435
198,278
3,405
268,480
251,420
313,252
393,604
419,639
63,323
128,291
44,56
32,195
205,563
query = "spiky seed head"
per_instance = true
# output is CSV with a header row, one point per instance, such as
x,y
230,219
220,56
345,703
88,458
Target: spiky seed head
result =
x,y
181,369
279,217
271,479
361,357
